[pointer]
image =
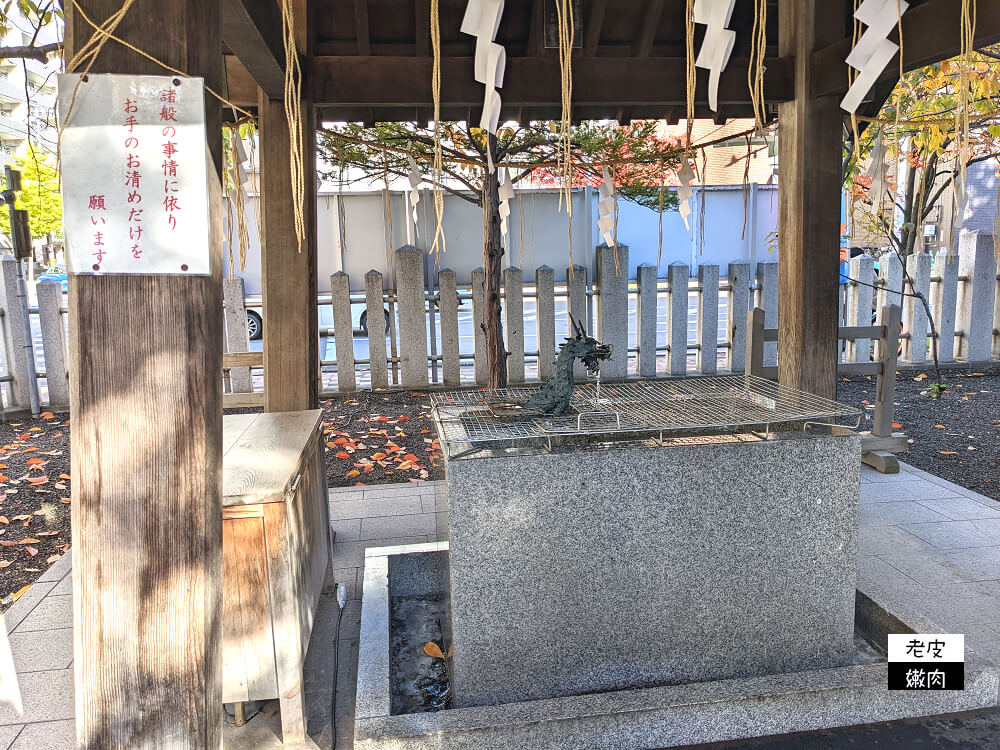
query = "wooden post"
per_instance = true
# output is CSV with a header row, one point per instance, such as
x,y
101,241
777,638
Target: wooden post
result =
x,y
810,155
146,409
288,273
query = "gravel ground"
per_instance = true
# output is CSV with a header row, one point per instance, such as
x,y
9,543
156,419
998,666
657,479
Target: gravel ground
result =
x,y
34,500
955,437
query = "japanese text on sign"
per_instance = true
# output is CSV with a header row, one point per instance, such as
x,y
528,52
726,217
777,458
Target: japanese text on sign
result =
x,y
134,176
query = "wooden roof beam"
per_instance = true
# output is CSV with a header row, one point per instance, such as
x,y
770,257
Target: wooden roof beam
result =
x,y
422,18
931,32
361,27
592,29
647,29
615,82
251,29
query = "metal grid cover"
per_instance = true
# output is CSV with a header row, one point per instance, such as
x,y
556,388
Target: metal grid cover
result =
x,y
708,403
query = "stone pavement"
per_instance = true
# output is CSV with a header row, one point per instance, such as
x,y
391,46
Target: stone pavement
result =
x,y
931,543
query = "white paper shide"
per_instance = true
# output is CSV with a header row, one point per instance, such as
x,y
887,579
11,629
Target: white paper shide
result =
x,y
134,177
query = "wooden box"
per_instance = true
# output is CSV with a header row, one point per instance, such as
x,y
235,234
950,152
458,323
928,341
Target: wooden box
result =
x,y
276,547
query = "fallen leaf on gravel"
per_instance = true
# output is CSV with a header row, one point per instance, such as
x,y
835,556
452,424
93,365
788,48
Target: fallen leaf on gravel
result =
x,y
354,473
4,563
38,480
24,517
896,425
4,519
65,499
342,454
939,426
340,441
51,559
948,453
46,415
20,592
30,540
46,533
4,478
31,551
432,649
36,462
5,543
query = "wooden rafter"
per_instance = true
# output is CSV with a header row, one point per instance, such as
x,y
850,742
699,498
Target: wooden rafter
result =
x,y
647,30
361,32
251,29
592,26
422,29
930,33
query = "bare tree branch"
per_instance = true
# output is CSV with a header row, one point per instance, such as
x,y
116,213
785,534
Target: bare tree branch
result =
x,y
39,52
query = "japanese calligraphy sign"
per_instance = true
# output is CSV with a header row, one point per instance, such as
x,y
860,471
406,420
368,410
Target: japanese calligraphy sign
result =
x,y
134,179
922,661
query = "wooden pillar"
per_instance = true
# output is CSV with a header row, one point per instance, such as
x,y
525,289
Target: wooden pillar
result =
x,y
146,410
288,275
809,160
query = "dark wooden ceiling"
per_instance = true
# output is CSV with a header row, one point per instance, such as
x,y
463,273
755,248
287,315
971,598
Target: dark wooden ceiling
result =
x,y
370,60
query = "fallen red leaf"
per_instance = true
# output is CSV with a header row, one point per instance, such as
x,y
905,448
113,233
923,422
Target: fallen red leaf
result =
x,y
46,415
948,453
38,480
31,551
342,454
340,441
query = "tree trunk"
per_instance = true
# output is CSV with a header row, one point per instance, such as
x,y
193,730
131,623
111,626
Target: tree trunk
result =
x,y
496,355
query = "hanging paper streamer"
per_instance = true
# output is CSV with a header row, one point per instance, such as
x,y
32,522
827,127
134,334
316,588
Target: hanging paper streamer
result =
x,y
607,208
717,44
482,20
684,175
876,170
873,51
415,179
506,194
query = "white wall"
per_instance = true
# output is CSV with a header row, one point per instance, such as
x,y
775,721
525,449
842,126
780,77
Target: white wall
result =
x,y
367,241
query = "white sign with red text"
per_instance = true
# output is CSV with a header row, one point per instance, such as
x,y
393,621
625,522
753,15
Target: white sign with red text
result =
x,y
134,179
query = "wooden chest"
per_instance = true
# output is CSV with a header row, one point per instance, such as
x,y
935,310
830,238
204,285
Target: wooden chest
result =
x,y
276,547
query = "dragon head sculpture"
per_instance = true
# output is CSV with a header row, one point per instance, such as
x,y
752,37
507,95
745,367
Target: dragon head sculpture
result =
x,y
586,348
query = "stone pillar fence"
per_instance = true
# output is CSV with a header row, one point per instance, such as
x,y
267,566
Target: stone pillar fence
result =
x,y
675,320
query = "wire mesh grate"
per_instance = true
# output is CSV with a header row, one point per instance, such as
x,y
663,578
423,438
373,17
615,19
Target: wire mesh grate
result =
x,y
650,406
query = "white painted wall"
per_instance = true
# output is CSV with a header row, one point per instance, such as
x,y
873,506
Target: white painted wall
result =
x,y
365,242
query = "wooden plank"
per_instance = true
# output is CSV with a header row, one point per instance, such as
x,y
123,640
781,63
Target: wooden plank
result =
x,y
860,332
282,550
242,400
895,443
249,587
262,465
859,368
234,675
233,427
240,84
242,359
885,386
808,220
242,511
251,29
287,275
147,611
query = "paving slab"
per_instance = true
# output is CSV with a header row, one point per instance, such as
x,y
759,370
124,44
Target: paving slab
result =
x,y
42,650
50,735
8,734
45,696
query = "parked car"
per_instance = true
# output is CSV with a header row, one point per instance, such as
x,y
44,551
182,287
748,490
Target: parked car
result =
x,y
57,273
255,324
